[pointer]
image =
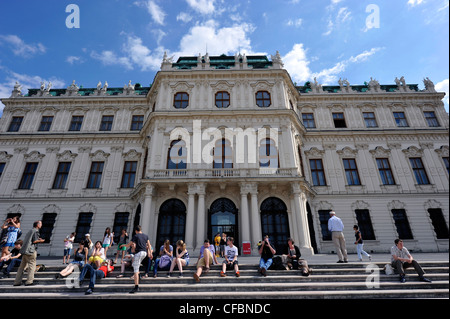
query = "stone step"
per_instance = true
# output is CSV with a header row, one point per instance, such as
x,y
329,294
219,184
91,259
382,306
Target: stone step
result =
x,y
187,279
242,295
192,289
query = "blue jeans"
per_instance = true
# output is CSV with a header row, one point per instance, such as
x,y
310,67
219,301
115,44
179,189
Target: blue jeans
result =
x,y
265,264
93,273
11,264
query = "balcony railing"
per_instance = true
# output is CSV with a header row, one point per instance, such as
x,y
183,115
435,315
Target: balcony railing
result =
x,y
222,172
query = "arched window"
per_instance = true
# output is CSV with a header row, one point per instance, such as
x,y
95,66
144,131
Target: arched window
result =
x,y
177,155
275,223
222,99
181,100
223,155
268,154
171,222
263,99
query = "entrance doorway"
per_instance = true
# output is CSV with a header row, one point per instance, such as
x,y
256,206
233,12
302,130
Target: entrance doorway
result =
x,y
223,218
171,223
275,223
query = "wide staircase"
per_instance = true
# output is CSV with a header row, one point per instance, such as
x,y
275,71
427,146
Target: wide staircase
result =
x,y
327,281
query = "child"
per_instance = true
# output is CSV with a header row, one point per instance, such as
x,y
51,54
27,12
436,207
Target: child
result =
x,y
230,262
359,244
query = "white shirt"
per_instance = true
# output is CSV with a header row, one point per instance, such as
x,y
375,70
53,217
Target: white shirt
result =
x,y
335,224
230,252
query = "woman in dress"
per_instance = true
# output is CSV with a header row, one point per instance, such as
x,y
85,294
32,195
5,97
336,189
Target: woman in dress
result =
x,y
11,227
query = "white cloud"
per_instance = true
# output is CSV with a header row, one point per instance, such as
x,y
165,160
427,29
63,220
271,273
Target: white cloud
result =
x,y
74,59
26,81
335,19
218,40
158,15
295,23
20,48
296,62
184,17
141,55
443,86
202,6
414,3
110,58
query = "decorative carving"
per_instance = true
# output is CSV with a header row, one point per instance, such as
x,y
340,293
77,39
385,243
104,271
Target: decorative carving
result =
x,y
66,156
374,85
17,91
429,85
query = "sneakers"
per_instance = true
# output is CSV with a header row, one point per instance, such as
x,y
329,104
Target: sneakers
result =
x,y
89,291
222,274
169,274
135,289
238,274
422,278
402,279
196,277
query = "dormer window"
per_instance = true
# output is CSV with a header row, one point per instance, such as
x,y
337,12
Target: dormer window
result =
x,y
181,100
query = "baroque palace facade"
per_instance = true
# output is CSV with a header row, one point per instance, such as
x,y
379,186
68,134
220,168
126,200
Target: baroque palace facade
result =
x,y
229,144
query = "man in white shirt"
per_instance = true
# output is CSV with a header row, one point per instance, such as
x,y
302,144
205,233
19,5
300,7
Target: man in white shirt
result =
x,y
231,253
336,227
402,259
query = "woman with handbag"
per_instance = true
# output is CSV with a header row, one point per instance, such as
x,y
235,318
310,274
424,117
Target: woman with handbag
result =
x,y
165,259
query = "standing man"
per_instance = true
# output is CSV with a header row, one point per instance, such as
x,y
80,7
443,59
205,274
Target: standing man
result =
x,y
402,259
336,227
29,254
142,248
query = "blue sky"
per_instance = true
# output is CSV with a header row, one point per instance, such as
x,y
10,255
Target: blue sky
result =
x,y
122,40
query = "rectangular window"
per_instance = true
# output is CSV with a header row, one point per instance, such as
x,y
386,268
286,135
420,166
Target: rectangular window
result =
x,y
137,122
400,119
369,119
439,223
431,119
48,223
28,176
365,224
308,120
120,222
2,167
419,171
129,174
385,171
83,226
351,171
446,163
15,124
339,120
75,124
402,224
95,175
62,173
317,172
46,123
107,122
324,216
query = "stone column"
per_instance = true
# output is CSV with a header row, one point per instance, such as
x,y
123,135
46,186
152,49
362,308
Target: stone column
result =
x,y
147,210
245,225
255,220
302,220
190,219
201,228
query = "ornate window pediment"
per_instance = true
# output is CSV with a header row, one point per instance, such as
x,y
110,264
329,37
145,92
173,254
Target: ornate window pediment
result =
x,y
99,156
314,152
380,151
413,151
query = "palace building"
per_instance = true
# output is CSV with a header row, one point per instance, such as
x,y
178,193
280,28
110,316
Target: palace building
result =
x,y
229,144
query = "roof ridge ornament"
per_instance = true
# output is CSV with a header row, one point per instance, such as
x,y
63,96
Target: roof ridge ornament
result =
x,y
277,62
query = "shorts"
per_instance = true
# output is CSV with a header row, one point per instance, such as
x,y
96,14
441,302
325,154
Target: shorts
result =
x,y
124,248
201,262
105,245
138,258
230,266
67,251
96,258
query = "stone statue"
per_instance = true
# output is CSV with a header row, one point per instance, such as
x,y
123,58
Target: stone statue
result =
x,y
429,85
42,86
105,87
277,59
316,87
99,85
374,85
49,86
17,91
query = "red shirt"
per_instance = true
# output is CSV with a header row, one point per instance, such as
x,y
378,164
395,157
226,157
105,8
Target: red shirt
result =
x,y
105,269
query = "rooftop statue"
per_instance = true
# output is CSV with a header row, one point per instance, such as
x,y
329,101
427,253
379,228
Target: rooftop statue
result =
x,y
429,85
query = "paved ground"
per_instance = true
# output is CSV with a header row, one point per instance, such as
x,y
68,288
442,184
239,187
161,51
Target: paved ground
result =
x,y
315,259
